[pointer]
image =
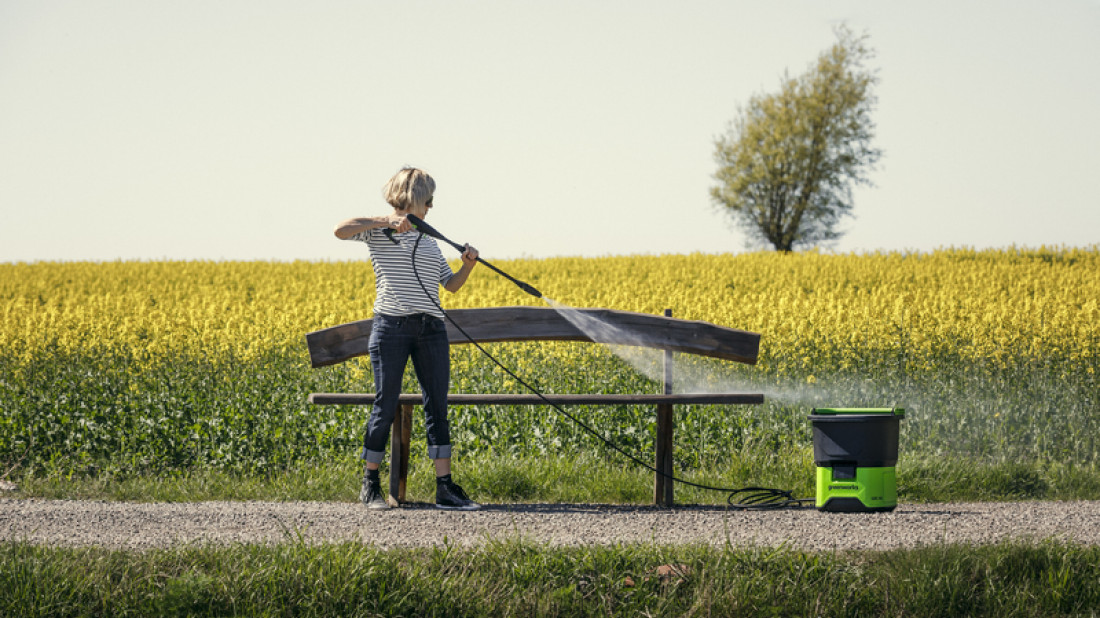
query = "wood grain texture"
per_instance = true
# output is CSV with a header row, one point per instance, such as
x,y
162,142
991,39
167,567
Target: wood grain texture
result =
x,y
340,343
508,399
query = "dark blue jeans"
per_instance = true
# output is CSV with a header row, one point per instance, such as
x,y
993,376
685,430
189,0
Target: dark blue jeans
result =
x,y
392,341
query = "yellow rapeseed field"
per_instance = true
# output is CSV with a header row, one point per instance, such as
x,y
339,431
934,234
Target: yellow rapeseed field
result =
x,y
144,366
993,305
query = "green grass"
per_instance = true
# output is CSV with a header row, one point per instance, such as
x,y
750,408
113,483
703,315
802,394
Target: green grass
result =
x,y
106,414
519,578
570,479
88,428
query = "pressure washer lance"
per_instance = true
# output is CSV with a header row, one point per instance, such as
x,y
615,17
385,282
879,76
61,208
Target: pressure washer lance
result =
x,y
419,224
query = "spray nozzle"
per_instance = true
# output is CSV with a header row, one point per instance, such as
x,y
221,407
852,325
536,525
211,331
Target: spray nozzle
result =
x,y
528,288
424,228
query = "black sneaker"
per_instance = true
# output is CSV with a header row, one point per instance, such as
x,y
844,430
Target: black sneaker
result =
x,y
372,496
449,496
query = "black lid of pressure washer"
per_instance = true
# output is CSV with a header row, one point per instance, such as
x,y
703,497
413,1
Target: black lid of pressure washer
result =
x,y
897,412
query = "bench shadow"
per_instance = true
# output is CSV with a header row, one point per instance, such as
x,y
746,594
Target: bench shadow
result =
x,y
611,509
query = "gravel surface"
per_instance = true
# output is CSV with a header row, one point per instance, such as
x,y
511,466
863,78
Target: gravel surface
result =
x,y
133,525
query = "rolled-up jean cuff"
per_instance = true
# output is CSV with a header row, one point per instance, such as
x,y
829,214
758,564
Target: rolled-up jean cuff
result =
x,y
373,456
439,451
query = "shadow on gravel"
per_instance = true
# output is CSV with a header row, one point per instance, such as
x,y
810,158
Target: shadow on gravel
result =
x,y
609,509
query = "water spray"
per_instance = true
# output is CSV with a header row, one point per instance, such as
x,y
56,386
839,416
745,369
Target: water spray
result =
x,y
420,226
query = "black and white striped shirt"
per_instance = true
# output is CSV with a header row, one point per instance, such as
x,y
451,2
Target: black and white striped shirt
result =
x,y
398,291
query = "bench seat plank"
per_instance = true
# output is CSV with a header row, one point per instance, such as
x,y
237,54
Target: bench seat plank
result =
x,y
508,399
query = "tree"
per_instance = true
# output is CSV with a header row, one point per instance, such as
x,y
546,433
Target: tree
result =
x,y
789,160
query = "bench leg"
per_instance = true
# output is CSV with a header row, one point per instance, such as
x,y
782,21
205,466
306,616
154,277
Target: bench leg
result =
x,y
662,490
400,437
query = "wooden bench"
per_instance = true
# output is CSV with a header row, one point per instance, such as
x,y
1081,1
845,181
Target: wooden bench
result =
x,y
340,343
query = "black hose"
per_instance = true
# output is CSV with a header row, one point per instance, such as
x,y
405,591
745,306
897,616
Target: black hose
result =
x,y
755,497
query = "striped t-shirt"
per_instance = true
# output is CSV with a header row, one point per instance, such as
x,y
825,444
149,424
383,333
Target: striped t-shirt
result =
x,y
398,291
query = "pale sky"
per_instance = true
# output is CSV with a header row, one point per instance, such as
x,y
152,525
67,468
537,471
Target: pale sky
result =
x,y
238,130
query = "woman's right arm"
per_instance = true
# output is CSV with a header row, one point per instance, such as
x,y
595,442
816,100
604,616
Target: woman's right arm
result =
x,y
351,227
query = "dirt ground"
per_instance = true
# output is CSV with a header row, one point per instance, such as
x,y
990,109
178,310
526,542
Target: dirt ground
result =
x,y
155,525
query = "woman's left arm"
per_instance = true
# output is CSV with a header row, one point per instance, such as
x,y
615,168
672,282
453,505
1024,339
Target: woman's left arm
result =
x,y
469,260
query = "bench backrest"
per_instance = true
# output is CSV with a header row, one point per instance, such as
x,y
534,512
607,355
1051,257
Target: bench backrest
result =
x,y
340,343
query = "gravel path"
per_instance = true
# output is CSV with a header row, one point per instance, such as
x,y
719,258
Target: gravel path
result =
x,y
151,525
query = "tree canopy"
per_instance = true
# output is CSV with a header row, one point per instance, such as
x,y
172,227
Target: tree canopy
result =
x,y
789,160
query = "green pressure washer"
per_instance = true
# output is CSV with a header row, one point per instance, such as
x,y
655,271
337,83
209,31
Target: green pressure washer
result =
x,y
855,451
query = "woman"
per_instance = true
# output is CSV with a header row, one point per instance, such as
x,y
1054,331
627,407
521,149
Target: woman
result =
x,y
408,322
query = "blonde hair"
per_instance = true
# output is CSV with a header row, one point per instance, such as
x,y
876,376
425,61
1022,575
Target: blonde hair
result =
x,y
409,190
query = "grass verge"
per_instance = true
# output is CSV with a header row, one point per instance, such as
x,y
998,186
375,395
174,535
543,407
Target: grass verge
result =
x,y
516,577
581,478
